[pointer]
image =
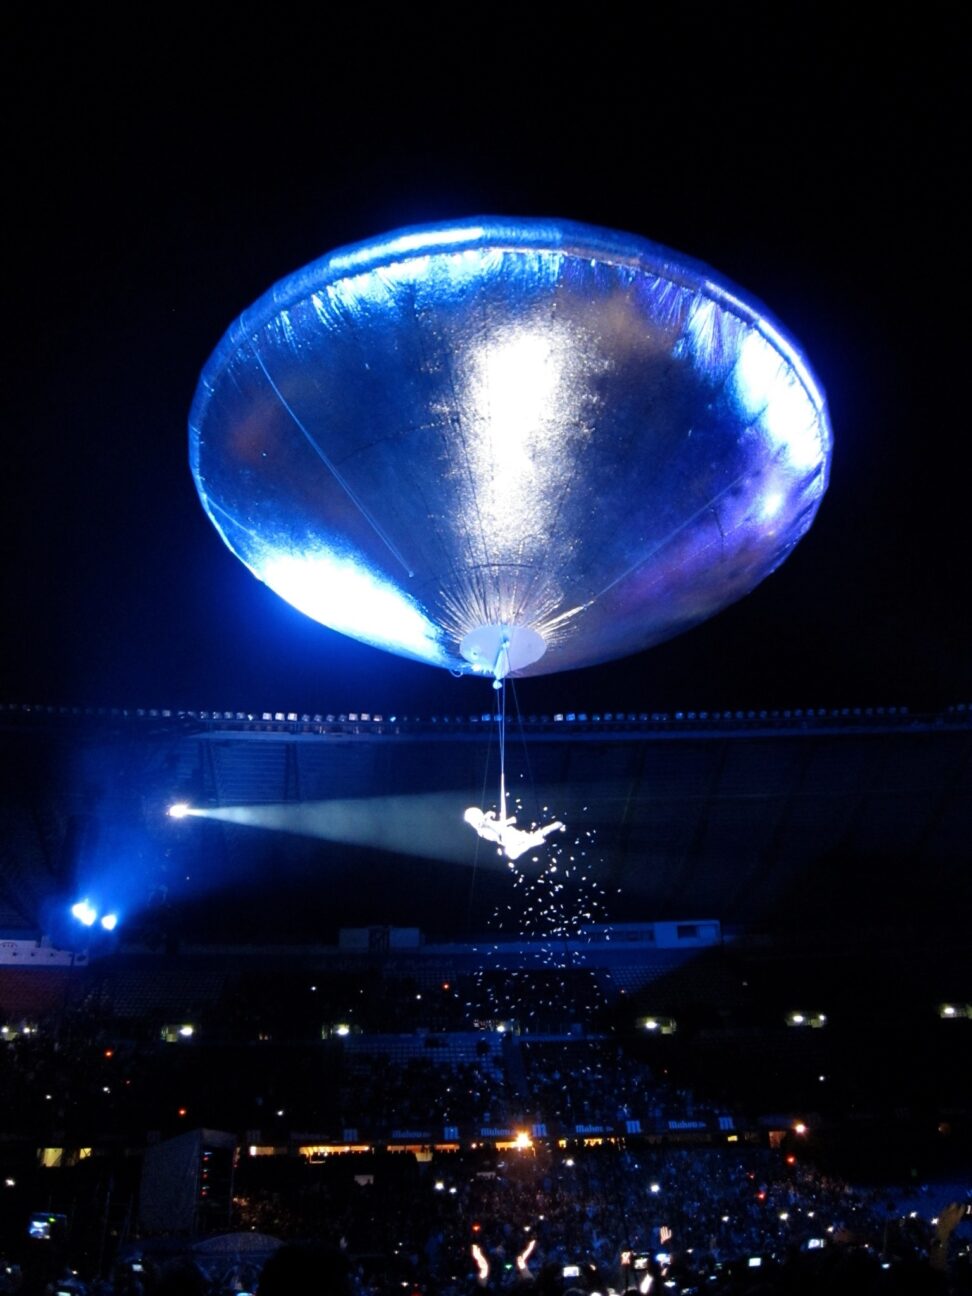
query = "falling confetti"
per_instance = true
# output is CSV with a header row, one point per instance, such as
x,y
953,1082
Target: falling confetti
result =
x,y
555,898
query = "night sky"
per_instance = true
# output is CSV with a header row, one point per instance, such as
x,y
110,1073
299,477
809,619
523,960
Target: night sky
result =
x,y
160,176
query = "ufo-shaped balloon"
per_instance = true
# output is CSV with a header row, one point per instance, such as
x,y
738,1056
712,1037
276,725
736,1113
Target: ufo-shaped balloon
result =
x,y
509,445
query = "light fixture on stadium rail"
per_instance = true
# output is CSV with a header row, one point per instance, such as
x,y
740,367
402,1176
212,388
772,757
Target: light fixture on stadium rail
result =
x,y
179,810
658,1025
812,1019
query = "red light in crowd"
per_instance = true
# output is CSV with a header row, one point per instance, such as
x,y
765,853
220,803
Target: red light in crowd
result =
x,y
109,1052
791,1159
182,1111
476,1228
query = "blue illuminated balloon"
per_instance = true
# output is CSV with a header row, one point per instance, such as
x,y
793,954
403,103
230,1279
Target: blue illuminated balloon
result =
x,y
509,445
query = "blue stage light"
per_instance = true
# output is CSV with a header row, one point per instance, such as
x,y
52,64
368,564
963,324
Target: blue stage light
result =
x,y
179,810
84,912
110,922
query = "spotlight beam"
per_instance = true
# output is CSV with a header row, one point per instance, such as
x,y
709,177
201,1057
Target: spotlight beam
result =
x,y
428,825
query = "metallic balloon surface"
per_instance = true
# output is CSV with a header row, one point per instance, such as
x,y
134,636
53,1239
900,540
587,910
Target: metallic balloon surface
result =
x,y
509,423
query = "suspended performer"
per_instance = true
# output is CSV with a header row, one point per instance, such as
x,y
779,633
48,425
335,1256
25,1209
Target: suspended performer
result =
x,y
511,841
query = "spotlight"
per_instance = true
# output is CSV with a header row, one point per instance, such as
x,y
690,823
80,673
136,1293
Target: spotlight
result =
x,y
84,913
110,922
179,810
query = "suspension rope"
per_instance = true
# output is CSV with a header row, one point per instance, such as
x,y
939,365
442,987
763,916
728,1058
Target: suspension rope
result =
x,y
501,719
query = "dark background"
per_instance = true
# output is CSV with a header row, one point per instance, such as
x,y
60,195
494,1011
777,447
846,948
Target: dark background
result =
x,y
162,172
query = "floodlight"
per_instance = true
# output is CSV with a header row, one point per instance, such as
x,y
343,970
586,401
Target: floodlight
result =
x,y
84,913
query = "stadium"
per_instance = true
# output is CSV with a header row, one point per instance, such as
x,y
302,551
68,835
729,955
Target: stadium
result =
x,y
227,1066
287,1003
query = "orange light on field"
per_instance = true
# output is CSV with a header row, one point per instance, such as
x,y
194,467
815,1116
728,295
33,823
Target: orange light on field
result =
x,y
523,1140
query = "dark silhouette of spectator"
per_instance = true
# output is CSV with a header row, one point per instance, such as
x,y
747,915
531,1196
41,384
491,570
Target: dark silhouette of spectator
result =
x,y
305,1269
181,1278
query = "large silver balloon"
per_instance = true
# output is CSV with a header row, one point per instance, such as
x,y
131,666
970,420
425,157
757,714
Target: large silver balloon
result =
x,y
509,445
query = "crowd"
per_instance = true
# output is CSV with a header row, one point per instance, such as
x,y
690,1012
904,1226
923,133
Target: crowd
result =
x,y
549,1220
422,1092
76,1082
629,1212
595,1082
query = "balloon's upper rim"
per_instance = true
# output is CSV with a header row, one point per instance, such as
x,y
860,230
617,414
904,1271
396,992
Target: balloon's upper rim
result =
x,y
513,234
